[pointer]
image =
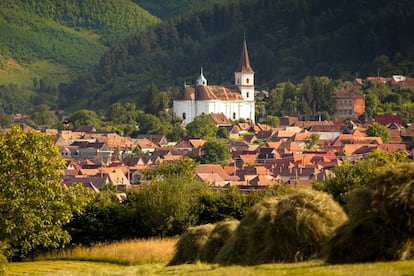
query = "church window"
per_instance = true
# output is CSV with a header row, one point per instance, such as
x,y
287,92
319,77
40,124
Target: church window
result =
x,y
234,115
238,80
247,80
247,94
184,115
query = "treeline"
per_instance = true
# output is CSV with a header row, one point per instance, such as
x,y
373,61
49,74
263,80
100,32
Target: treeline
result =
x,y
287,40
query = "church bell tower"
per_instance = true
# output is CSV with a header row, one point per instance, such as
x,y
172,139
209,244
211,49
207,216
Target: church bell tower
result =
x,y
244,75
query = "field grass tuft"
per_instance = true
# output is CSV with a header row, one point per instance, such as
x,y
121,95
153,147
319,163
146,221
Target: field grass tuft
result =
x,y
132,252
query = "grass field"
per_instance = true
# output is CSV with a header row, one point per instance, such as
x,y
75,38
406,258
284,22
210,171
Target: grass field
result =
x,y
302,268
23,75
149,257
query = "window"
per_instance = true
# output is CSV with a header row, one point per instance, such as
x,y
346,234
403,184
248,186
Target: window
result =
x,y
234,115
184,115
247,94
247,80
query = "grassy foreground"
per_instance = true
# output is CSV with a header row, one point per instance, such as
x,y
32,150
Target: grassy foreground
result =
x,y
303,268
149,257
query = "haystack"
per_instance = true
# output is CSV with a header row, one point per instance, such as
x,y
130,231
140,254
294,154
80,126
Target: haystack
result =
x,y
289,229
190,243
381,224
220,234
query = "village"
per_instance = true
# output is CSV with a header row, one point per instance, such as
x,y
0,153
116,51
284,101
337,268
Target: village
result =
x,y
98,159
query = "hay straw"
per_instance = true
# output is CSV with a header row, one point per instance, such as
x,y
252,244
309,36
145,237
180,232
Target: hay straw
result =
x,y
293,228
190,243
220,234
381,220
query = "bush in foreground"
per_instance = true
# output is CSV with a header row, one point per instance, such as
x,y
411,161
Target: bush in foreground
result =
x,y
190,243
381,226
289,229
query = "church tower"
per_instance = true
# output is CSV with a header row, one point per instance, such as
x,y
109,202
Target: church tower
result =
x,y
244,75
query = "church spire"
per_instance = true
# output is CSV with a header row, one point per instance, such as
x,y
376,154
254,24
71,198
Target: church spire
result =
x,y
244,66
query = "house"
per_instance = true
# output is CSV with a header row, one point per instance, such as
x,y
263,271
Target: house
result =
x,y
85,150
235,102
213,174
349,103
386,119
146,146
159,139
220,120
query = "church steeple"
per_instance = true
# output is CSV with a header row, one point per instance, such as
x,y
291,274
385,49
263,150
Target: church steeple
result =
x,y
244,66
201,79
244,75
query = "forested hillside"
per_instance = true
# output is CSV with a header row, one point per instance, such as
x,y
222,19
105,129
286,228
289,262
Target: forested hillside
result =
x,y
170,8
44,43
69,32
287,40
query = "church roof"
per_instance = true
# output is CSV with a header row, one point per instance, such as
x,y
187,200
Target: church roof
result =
x,y
244,66
210,92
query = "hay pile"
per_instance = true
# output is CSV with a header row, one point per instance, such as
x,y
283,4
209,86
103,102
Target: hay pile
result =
x,y
190,243
217,238
293,228
381,224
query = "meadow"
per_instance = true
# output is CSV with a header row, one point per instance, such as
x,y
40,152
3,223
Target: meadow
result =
x,y
150,257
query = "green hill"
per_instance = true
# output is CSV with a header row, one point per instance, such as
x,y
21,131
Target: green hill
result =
x,y
54,39
287,40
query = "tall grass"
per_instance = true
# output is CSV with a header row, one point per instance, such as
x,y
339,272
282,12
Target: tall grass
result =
x,y
132,252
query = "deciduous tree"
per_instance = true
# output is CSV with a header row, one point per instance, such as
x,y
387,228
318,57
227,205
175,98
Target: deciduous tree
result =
x,y
34,204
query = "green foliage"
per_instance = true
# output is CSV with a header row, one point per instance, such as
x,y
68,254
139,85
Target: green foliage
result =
x,y
351,176
104,219
272,121
148,123
85,117
377,130
223,133
42,116
202,127
183,168
214,152
34,204
167,206
171,9
312,143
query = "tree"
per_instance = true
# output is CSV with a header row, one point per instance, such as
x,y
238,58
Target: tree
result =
x,y
166,204
214,152
223,133
33,202
272,121
42,115
202,127
312,143
85,117
377,130
148,123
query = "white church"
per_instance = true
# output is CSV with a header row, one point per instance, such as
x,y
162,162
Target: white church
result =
x,y
235,102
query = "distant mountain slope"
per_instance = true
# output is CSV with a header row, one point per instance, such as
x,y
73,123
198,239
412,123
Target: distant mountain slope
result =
x,y
170,8
287,40
70,32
